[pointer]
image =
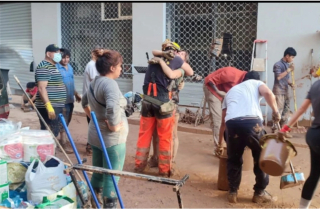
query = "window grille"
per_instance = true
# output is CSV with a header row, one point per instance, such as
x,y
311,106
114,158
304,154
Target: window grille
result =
x,y
86,25
194,25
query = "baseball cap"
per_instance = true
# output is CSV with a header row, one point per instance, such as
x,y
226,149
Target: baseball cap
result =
x,y
52,48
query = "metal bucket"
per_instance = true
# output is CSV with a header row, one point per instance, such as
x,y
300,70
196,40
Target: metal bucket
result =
x,y
275,154
223,183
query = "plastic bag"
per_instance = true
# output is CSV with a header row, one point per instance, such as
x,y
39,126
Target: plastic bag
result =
x,y
69,191
45,180
8,127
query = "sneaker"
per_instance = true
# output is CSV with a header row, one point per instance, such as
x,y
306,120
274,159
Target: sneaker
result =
x,y
263,197
153,162
67,147
88,149
98,192
173,170
165,175
232,197
138,170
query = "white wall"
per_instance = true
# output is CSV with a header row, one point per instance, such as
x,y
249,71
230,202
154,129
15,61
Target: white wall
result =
x,y
46,28
148,33
291,25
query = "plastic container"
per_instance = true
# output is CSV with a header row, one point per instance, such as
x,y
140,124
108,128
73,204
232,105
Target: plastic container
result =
x,y
8,203
11,148
17,201
37,144
57,203
85,192
8,127
4,192
3,172
275,154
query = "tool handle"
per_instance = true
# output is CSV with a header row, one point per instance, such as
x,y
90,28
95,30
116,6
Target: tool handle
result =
x,y
105,152
65,126
278,126
294,92
293,173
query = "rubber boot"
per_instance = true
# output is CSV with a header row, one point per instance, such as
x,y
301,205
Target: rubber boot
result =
x,y
153,162
110,202
98,193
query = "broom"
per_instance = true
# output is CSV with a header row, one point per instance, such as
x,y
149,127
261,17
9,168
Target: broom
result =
x,y
296,128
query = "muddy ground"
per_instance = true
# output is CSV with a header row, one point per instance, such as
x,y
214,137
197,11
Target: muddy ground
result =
x,y
194,158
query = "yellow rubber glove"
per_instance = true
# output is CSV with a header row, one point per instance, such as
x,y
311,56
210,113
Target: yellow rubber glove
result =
x,y
50,110
318,72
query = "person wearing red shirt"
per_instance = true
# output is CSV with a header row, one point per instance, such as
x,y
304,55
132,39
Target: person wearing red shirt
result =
x,y
216,85
32,92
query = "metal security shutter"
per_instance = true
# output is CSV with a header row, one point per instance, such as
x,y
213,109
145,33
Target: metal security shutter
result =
x,y
16,52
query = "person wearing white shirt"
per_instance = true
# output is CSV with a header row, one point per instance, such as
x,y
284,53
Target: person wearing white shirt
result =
x,y
89,74
242,119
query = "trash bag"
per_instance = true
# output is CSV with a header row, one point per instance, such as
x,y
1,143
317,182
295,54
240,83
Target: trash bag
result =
x,y
45,180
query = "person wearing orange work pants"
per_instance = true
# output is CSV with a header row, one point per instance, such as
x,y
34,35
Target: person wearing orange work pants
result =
x,y
151,119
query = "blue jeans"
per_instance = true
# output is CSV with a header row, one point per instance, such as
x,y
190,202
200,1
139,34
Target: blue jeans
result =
x,y
242,133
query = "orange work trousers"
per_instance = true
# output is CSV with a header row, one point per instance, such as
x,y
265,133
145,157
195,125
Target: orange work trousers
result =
x,y
151,119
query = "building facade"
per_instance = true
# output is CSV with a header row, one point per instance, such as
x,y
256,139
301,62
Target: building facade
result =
x,y
135,29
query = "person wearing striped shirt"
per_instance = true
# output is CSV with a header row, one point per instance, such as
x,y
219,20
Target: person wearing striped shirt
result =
x,y
51,96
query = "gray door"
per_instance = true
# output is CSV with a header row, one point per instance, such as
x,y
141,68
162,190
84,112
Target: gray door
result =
x,y
16,52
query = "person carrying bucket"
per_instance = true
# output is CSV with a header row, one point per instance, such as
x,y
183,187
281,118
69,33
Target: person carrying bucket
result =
x,y
244,128
313,141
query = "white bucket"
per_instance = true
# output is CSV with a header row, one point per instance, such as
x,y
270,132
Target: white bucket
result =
x,y
37,144
11,148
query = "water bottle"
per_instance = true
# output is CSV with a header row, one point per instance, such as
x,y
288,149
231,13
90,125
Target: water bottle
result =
x,y
8,203
17,201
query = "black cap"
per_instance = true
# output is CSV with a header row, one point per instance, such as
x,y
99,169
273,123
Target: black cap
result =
x,y
52,48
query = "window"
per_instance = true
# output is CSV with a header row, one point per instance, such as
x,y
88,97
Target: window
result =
x,y
116,11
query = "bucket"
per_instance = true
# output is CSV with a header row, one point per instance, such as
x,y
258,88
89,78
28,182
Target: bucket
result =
x,y
275,154
223,183
37,144
247,160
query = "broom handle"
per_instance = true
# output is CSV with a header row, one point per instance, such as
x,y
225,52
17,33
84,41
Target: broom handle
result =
x,y
294,94
46,125
293,173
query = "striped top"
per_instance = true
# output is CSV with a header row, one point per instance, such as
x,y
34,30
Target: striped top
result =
x,y
55,87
